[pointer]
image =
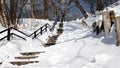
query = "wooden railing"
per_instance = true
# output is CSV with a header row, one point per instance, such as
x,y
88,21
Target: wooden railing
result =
x,y
40,30
33,35
8,34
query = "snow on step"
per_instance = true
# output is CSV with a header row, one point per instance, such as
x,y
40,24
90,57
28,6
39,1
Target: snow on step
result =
x,y
26,57
22,62
31,53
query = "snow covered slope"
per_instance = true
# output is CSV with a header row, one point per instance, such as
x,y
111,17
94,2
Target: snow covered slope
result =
x,y
77,47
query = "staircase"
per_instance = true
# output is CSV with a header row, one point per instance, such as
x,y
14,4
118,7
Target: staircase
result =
x,y
26,58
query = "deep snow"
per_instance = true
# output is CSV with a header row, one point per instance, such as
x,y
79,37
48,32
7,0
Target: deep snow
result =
x,y
76,47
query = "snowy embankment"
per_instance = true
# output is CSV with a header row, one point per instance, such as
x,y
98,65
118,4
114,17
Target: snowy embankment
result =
x,y
77,47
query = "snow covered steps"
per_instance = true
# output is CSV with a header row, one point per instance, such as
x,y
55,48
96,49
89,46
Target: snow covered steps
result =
x,y
30,53
22,62
26,58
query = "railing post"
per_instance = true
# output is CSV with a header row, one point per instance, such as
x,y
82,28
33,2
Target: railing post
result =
x,y
46,27
41,31
35,34
8,34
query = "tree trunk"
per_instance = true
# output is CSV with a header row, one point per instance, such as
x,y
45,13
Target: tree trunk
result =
x,y
52,9
66,9
3,14
13,9
32,9
46,9
92,6
117,24
106,22
57,14
99,5
81,8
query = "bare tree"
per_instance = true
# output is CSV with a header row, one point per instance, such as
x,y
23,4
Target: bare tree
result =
x,y
11,11
81,8
52,8
3,14
46,9
13,6
57,10
20,9
32,8
65,10
99,5
91,4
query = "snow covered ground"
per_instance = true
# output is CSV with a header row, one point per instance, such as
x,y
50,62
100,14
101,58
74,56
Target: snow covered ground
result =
x,y
77,47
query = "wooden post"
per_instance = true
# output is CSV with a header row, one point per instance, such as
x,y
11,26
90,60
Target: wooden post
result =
x,y
8,34
117,26
106,22
35,34
46,27
41,31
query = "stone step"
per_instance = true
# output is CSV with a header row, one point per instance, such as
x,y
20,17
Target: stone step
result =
x,y
26,57
30,53
48,44
19,63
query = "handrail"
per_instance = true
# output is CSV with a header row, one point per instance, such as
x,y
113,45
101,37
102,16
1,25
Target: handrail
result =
x,y
4,37
21,32
5,30
49,26
18,36
35,33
